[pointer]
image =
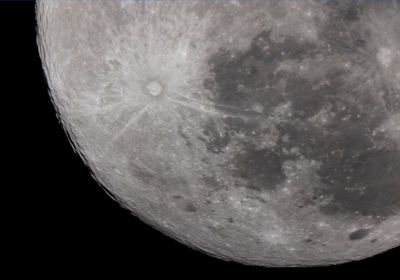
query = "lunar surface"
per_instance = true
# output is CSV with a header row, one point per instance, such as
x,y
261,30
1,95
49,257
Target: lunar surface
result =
x,y
263,132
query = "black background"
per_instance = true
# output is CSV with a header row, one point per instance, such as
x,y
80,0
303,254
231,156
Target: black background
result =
x,y
67,221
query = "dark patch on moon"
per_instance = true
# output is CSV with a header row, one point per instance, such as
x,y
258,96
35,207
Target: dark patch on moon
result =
x,y
343,30
184,136
215,140
161,177
189,207
357,176
367,183
305,101
261,168
359,234
312,242
241,79
346,11
140,173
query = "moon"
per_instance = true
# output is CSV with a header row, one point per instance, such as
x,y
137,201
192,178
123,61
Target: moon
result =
x,y
261,132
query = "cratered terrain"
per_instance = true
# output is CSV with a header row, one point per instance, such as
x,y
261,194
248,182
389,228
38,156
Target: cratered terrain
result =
x,y
264,132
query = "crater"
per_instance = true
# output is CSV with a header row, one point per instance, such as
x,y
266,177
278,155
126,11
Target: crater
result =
x,y
309,241
385,56
189,207
359,234
154,88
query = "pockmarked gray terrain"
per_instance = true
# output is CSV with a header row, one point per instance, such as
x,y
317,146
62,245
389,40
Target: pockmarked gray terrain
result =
x,y
264,132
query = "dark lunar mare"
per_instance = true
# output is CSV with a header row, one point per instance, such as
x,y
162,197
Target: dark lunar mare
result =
x,y
357,176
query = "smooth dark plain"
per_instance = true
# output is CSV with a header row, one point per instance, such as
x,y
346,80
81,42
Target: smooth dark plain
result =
x,y
243,81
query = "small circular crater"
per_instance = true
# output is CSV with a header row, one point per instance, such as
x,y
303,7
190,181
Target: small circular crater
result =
x,y
154,88
257,107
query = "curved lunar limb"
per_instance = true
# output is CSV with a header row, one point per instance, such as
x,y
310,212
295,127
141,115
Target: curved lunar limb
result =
x,y
264,132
